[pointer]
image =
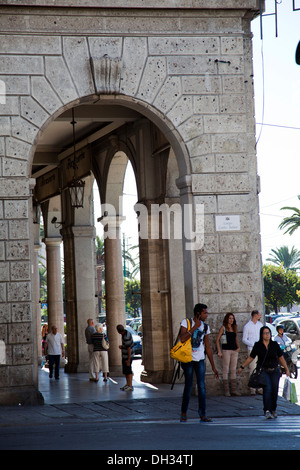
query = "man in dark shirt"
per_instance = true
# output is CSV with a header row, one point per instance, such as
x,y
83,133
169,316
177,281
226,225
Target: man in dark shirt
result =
x,y
127,355
89,331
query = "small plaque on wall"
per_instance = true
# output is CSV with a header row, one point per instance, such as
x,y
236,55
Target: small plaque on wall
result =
x,y
227,223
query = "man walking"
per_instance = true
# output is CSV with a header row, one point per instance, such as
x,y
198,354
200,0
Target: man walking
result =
x,y
89,331
127,355
250,336
199,333
55,349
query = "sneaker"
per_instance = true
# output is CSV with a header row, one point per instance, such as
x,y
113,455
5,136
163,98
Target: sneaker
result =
x,y
274,414
268,415
124,388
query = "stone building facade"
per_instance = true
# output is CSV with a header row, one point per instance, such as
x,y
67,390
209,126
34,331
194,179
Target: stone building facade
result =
x,y
167,86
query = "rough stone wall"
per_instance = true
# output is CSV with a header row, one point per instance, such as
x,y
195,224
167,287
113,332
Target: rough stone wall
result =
x,y
191,70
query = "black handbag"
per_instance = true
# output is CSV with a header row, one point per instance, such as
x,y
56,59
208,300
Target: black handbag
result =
x,y
258,377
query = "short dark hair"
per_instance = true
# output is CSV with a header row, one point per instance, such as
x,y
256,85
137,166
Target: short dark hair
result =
x,y
254,312
199,308
120,328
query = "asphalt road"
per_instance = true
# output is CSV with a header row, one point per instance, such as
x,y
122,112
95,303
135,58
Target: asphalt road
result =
x,y
238,433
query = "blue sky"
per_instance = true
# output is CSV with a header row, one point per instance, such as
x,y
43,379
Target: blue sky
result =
x,y
277,102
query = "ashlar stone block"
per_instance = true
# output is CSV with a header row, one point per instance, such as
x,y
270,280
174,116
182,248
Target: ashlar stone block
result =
x,y
59,77
17,250
22,354
16,209
191,128
17,335
21,375
44,94
21,312
19,291
77,58
14,167
181,111
20,271
152,79
133,64
32,112
169,94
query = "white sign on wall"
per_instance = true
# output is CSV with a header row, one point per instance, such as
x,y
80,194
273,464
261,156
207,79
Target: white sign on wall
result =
x,y
227,222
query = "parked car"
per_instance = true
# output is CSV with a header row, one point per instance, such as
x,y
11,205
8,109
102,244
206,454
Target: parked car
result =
x,y
137,341
284,316
271,317
291,327
136,325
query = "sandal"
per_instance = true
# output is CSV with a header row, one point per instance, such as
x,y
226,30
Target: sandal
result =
x,y
204,419
183,419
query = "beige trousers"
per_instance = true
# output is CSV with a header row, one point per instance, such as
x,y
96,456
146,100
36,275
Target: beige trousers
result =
x,y
230,359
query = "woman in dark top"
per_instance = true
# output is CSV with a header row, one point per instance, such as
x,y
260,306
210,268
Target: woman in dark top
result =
x,y
100,355
268,354
228,350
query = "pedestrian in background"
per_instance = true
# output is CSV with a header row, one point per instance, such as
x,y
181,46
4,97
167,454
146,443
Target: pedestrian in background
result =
x,y
127,356
100,355
228,349
90,329
199,333
268,355
251,333
55,349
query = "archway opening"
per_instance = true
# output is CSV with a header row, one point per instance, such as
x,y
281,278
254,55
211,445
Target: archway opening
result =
x,y
106,135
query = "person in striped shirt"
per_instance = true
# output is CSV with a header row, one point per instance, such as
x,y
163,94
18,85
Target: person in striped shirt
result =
x,y
127,356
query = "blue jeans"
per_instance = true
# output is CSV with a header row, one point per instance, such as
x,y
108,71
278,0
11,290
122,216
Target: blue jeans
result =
x,y
270,391
188,369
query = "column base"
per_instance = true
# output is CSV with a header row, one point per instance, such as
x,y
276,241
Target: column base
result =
x,y
24,396
156,376
115,371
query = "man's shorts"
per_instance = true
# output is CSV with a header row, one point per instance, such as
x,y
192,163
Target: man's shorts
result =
x,y
127,370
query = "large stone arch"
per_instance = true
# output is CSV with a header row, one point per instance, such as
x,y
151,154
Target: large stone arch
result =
x,y
190,76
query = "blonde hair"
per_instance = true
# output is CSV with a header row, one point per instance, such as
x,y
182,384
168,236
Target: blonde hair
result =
x,y
99,327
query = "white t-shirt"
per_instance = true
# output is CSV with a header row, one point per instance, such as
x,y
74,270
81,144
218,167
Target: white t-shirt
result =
x,y
198,351
54,344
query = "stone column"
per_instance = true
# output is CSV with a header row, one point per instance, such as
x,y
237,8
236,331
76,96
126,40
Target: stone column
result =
x,y
85,287
184,184
36,300
70,300
155,301
114,289
54,284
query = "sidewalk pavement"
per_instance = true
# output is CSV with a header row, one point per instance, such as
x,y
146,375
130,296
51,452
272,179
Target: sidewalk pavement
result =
x,y
75,399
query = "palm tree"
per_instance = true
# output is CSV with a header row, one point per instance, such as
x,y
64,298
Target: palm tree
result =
x,y
292,222
288,259
100,267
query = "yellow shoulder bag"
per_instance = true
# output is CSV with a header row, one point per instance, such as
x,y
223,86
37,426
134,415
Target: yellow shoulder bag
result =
x,y
182,352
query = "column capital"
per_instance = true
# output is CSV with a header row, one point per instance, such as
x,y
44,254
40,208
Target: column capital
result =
x,y
52,241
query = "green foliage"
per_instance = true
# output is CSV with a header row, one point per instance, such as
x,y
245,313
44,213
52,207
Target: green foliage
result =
x,y
281,287
289,259
291,223
132,297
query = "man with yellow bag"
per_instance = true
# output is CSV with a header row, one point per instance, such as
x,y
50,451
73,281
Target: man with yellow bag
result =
x,y
199,335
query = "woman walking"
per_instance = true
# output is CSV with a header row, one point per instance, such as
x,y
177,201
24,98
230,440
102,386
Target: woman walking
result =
x,y
268,354
228,349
